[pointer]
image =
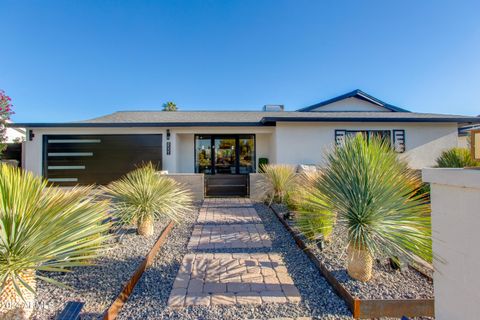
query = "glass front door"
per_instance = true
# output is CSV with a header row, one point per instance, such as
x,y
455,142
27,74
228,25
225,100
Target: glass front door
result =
x,y
225,154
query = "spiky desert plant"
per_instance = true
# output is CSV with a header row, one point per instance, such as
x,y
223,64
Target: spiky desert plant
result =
x,y
143,195
43,229
316,227
456,158
278,182
375,199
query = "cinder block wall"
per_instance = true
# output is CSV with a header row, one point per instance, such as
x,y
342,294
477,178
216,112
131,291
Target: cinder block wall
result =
x,y
455,195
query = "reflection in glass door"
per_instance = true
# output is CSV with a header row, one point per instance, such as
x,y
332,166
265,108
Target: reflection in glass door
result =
x,y
246,154
225,155
203,151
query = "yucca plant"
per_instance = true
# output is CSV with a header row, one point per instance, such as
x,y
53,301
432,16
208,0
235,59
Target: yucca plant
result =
x,y
43,229
374,197
456,158
143,195
278,182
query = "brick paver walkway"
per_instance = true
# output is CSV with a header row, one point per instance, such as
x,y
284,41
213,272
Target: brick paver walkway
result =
x,y
211,214
229,236
214,278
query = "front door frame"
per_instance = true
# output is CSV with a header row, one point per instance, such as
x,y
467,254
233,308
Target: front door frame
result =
x,y
237,138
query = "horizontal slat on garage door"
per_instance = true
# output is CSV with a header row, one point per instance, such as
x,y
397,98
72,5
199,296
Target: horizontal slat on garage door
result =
x,y
97,159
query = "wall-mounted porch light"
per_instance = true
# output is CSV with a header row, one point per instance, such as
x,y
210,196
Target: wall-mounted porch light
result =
x,y
31,135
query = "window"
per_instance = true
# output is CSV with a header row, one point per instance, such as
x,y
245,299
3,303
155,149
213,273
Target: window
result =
x,y
396,138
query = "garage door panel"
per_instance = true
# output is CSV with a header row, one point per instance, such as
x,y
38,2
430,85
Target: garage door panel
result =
x,y
97,159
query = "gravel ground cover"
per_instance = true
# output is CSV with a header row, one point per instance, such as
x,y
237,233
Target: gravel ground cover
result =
x,y
386,283
149,299
97,286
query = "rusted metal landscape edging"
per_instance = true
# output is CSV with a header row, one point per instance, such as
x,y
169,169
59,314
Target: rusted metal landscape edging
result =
x,y
114,309
364,308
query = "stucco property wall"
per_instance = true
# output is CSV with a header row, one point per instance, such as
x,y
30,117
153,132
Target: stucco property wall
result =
x,y
455,195
307,143
193,181
255,192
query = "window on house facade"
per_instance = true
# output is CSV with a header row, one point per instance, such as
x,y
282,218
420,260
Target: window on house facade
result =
x,y
395,137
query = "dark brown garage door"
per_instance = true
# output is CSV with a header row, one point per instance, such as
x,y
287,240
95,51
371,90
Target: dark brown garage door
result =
x,y
97,159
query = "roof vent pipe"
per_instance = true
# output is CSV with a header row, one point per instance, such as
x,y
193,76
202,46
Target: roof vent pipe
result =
x,y
273,108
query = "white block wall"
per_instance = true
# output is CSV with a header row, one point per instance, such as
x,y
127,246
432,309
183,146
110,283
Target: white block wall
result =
x,y
456,240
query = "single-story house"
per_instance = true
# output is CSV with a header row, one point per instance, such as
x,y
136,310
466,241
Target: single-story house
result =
x,y
226,146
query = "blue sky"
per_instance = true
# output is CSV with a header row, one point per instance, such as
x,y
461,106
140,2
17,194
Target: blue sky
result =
x,y
73,60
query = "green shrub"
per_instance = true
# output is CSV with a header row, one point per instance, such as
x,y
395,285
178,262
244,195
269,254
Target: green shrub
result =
x,y
456,158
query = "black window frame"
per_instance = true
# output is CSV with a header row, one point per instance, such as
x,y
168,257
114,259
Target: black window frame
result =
x,y
237,137
393,134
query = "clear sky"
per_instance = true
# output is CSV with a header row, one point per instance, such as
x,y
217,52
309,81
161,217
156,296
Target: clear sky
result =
x,y
73,60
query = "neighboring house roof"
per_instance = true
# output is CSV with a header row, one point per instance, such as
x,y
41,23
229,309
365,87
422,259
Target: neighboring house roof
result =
x,y
246,118
464,131
14,133
359,94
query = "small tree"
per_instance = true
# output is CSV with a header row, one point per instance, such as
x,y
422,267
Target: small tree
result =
x,y
5,113
169,106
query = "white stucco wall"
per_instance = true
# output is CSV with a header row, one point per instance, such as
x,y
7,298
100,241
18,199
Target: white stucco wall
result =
x,y
455,195
291,143
181,159
351,104
307,143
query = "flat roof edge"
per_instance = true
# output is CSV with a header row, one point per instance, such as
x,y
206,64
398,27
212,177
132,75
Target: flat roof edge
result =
x,y
136,124
368,119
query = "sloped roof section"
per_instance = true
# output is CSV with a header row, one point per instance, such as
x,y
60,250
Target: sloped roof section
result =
x,y
246,118
359,94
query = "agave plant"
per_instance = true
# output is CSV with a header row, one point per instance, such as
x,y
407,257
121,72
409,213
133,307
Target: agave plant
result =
x,y
43,229
456,158
278,182
375,198
143,195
